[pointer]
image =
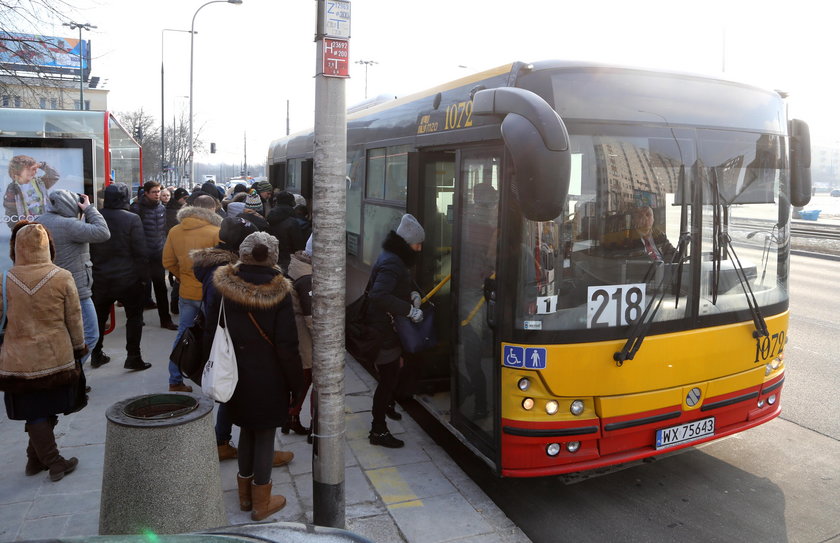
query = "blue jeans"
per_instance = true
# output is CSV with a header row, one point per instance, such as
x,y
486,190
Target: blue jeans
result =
x,y
188,310
91,326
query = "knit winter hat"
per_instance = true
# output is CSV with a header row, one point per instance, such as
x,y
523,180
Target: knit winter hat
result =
x,y
233,231
260,249
410,230
253,201
180,192
262,186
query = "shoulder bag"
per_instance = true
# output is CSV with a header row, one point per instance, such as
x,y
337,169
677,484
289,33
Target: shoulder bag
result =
x,y
188,354
420,336
220,374
360,339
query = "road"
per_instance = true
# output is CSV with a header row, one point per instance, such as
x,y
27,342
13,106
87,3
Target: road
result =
x,y
779,482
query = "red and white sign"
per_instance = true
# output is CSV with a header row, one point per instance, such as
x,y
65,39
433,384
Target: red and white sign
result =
x,y
336,58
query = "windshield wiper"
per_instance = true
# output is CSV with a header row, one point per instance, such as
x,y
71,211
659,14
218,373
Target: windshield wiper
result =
x,y
640,328
720,240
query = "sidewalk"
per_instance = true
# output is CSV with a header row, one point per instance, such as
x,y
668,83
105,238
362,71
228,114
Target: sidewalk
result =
x,y
415,494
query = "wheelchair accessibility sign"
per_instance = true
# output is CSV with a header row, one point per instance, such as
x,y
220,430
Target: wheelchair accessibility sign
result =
x,y
530,358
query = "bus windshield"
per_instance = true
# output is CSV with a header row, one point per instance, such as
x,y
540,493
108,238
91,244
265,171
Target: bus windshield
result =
x,y
649,213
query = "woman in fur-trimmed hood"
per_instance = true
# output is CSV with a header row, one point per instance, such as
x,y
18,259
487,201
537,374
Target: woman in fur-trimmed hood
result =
x,y
44,337
258,311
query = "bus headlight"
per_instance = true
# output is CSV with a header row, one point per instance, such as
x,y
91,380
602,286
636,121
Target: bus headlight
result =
x,y
773,365
528,404
771,399
551,407
573,446
553,449
576,408
524,384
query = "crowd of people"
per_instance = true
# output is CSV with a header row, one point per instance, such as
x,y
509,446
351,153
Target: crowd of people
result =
x,y
248,254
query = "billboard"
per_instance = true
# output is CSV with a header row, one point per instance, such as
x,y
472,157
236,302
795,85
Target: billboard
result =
x,y
45,54
31,168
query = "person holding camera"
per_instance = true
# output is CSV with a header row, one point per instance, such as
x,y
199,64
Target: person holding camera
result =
x,y
74,225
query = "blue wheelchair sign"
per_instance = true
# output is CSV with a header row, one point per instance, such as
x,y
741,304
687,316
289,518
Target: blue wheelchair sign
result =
x,y
514,357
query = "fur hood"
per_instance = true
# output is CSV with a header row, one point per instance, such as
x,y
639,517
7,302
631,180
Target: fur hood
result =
x,y
32,246
395,244
200,214
227,281
212,257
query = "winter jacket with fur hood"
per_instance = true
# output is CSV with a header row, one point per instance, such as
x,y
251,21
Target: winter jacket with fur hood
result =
x,y
266,372
73,235
197,228
44,319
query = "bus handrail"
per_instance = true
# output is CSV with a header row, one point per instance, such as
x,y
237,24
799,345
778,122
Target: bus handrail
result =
x,y
434,290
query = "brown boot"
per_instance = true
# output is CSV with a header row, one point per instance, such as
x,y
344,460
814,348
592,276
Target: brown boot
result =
x,y
33,465
244,484
281,458
265,504
43,440
226,451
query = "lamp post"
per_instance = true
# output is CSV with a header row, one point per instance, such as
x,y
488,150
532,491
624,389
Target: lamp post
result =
x,y
192,53
162,109
88,27
366,63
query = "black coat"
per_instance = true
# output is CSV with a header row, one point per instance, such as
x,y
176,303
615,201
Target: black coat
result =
x,y
390,288
266,373
283,225
123,259
172,209
153,216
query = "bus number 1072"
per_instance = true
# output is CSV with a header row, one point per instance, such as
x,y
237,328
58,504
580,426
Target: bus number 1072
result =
x,y
614,305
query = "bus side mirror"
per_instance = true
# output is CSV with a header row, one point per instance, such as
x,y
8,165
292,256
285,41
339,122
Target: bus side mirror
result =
x,y
800,162
538,142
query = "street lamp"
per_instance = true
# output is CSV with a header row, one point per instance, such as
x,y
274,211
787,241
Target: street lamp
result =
x,y
192,52
366,63
162,101
88,27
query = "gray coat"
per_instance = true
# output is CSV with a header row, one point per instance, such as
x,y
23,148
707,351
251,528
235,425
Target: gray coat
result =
x,y
72,236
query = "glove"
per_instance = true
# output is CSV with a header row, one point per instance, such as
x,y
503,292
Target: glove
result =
x,y
416,299
416,315
80,352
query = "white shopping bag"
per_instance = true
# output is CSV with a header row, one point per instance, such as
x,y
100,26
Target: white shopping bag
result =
x,y
220,373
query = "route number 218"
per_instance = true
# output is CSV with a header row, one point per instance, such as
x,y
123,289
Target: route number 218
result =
x,y
614,305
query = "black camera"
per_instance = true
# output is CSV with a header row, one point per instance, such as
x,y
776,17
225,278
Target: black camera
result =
x,y
81,198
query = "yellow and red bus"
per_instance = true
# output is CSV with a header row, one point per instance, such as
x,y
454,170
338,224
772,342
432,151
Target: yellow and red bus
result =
x,y
611,247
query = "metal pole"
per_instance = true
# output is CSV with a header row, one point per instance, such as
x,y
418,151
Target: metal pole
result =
x,y
366,63
192,55
328,287
88,27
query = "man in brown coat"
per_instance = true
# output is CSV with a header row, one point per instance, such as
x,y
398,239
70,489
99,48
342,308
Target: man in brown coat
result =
x,y
198,228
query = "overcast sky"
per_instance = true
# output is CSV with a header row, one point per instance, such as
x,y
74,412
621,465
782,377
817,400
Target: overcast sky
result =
x,y
251,58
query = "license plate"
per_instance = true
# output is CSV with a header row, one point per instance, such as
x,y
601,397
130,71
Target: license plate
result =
x,y
690,431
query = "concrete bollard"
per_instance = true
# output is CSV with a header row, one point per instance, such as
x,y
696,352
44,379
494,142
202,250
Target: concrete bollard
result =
x,y
161,472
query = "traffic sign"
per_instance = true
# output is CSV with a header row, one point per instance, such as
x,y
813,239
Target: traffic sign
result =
x,y
336,57
334,19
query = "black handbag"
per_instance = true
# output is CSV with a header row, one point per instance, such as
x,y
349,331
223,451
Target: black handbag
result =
x,y
420,336
361,340
188,354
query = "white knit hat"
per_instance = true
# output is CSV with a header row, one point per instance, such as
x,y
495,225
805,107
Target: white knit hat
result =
x,y
410,230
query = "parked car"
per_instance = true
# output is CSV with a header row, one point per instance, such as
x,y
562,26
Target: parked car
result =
x,y
836,193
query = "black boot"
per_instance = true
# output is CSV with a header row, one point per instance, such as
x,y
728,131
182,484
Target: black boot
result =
x,y
384,439
98,358
43,441
135,362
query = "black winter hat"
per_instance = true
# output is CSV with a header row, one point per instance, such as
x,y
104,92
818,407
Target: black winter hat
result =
x,y
180,192
233,230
